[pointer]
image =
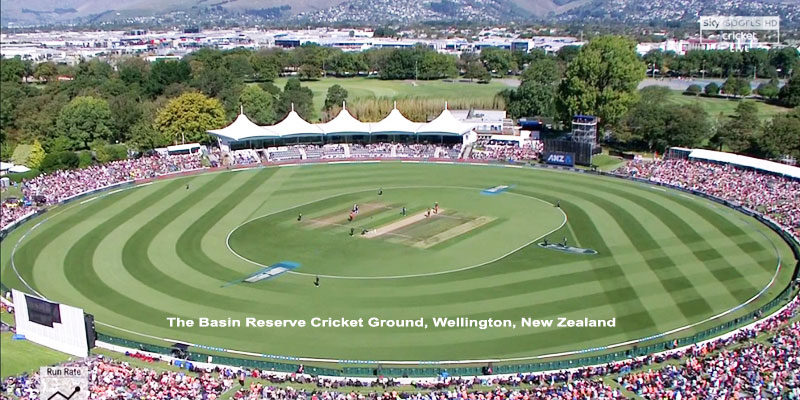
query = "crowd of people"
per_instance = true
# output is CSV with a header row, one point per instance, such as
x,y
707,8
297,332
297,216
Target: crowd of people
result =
x,y
735,366
723,370
506,150
774,196
47,189
354,150
113,380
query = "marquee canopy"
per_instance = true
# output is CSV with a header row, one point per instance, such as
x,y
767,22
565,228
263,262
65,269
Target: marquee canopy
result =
x,y
395,123
344,124
445,124
294,125
243,129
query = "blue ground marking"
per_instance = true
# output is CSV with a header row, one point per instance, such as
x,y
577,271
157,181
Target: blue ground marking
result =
x,y
266,273
495,190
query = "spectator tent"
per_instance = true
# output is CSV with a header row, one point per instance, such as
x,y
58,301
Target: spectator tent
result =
x,y
345,124
444,125
394,124
243,129
295,126
243,133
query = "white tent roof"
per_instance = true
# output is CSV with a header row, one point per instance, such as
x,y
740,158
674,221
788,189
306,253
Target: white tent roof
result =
x,y
4,166
19,168
243,128
344,123
748,162
293,125
395,122
445,124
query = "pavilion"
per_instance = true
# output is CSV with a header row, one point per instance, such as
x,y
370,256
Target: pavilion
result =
x,y
243,133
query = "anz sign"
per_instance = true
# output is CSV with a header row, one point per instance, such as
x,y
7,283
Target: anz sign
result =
x,y
557,158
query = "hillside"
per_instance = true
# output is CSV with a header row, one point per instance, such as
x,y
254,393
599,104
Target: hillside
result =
x,y
328,12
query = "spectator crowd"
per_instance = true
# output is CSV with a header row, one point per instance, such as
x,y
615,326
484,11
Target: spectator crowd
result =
x,y
773,196
506,150
733,367
48,189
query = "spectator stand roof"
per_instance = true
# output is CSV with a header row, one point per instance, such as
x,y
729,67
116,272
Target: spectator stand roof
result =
x,y
746,162
294,125
243,129
345,124
444,124
395,124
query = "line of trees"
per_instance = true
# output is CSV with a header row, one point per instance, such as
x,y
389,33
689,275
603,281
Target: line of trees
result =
x,y
128,102
143,105
654,123
759,63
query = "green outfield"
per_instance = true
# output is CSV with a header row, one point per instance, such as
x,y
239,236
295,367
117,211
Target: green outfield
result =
x,y
136,257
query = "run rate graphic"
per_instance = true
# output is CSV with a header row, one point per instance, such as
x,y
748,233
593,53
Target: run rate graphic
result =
x,y
59,383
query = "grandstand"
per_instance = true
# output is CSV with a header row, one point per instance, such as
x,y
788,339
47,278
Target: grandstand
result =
x,y
243,133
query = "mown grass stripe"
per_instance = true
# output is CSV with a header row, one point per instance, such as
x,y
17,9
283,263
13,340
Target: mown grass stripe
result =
x,y
189,244
139,265
617,284
715,262
27,253
84,278
643,241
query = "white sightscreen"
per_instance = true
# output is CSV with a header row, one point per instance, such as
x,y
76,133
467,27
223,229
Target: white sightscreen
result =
x,y
57,326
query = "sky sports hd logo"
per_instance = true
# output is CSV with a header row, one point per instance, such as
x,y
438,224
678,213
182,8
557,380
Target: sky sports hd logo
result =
x,y
742,32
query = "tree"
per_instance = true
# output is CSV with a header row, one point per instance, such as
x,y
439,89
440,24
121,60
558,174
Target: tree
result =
x,y
265,65
165,73
258,105
105,152
36,156
784,60
134,71
568,53
210,74
739,133
21,154
498,61
712,89
694,89
125,113
736,87
781,136
84,120
46,71
59,161
12,69
655,124
686,126
790,92
187,118
299,97
542,70
336,96
602,80
531,99
476,70
768,90
146,137
309,72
